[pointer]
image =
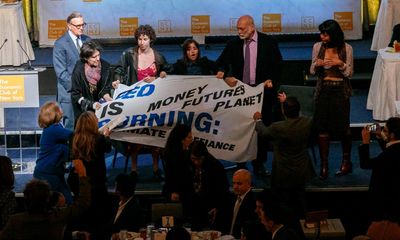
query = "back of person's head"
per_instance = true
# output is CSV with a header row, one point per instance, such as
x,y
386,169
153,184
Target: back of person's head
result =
x,y
291,107
57,199
254,230
37,196
186,46
125,185
198,149
393,126
50,113
335,32
178,233
86,130
88,49
6,174
178,133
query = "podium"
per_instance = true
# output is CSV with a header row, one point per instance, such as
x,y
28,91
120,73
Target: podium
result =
x,y
18,89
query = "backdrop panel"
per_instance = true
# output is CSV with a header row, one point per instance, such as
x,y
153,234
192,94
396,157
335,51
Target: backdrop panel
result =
x,y
175,18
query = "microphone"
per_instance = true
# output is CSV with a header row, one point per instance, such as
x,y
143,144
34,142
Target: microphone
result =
x,y
29,67
5,40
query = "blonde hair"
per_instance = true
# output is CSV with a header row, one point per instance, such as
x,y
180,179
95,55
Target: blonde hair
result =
x,y
50,113
84,140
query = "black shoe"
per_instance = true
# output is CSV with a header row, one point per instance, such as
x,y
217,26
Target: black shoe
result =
x,y
158,175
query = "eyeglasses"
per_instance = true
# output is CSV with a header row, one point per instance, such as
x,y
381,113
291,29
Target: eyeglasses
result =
x,y
79,25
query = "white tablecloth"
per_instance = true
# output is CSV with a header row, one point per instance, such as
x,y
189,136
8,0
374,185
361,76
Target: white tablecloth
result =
x,y
385,86
13,28
388,16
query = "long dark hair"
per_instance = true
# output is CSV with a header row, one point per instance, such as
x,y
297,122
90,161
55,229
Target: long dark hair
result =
x,y
335,32
174,141
185,47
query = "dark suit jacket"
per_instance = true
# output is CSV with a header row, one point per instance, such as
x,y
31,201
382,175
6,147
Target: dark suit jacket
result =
x,y
395,35
65,55
291,166
285,233
268,66
131,218
385,180
245,213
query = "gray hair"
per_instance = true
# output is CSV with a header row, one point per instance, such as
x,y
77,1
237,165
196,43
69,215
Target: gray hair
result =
x,y
74,15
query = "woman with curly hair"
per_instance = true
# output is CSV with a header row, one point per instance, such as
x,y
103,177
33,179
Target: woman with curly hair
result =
x,y
141,63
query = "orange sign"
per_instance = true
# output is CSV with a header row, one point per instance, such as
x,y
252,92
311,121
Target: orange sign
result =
x,y
200,24
127,26
272,22
345,20
12,88
56,28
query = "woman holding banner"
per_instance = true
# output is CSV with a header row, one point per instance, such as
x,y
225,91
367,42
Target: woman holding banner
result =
x,y
141,63
332,62
192,63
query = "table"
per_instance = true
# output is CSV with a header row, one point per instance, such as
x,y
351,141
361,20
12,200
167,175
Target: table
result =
x,y
385,85
388,16
333,230
13,28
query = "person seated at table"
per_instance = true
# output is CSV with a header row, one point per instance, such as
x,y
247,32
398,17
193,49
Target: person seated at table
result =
x,y
127,215
177,166
141,63
54,149
210,187
8,201
91,80
178,233
40,221
192,63
395,35
254,230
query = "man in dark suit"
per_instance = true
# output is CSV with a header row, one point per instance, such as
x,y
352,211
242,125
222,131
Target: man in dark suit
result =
x,y
384,192
243,205
254,58
291,166
65,54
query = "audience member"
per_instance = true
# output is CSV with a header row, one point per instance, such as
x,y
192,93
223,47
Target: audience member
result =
x,y
384,230
291,166
242,206
332,62
177,165
384,185
210,187
65,55
141,63
91,80
253,57
128,215
90,146
273,217
395,35
54,149
254,230
8,202
192,63
40,221
178,233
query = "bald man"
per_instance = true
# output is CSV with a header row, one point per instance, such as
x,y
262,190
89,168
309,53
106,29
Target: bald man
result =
x,y
261,64
244,201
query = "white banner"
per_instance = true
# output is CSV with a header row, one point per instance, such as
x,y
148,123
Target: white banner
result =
x,y
219,115
182,18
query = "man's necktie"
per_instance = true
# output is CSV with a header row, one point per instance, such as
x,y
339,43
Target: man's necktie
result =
x,y
246,66
235,212
78,45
